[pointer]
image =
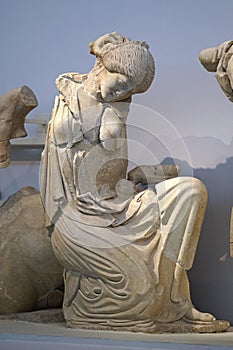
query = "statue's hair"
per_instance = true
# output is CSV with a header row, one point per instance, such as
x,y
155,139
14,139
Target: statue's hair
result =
x,y
131,58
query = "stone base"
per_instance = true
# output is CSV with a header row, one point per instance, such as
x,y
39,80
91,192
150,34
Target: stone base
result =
x,y
56,316
41,316
174,327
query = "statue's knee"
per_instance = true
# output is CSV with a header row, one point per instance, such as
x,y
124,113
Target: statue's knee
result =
x,y
199,189
194,188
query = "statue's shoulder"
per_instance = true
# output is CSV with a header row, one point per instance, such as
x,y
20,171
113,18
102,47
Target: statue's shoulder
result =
x,y
69,81
74,77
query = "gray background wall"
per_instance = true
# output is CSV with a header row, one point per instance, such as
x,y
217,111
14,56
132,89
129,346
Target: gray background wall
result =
x,y
41,39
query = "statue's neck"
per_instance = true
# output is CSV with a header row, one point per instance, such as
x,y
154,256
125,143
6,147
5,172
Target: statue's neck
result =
x,y
92,92
91,85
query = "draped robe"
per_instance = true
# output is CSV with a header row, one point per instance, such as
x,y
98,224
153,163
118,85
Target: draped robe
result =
x,y
124,253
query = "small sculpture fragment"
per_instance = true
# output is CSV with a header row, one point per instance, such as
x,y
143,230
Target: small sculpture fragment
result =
x,y
14,106
31,277
125,253
220,60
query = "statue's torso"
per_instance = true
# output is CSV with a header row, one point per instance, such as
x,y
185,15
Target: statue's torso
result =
x,y
94,164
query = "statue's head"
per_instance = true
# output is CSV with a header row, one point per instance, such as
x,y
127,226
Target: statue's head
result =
x,y
125,67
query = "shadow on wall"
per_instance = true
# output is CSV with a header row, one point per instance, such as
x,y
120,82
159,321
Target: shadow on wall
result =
x,y
211,277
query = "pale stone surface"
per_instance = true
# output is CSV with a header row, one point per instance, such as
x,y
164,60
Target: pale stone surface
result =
x,y
60,335
39,316
220,60
30,275
14,106
125,253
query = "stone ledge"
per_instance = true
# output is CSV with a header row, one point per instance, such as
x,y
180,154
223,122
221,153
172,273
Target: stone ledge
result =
x,y
59,333
41,316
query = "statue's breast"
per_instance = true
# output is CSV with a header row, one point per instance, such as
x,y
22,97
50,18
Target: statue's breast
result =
x,y
66,130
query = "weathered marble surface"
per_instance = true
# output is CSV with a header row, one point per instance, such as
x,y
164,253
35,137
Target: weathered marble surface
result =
x,y
51,315
14,106
125,253
30,275
220,60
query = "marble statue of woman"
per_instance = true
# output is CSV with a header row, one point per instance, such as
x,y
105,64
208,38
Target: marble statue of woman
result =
x,y
125,253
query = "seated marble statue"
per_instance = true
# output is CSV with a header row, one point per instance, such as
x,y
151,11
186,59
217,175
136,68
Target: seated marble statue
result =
x,y
125,253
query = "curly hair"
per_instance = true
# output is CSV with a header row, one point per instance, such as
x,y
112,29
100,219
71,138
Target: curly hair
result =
x,y
130,58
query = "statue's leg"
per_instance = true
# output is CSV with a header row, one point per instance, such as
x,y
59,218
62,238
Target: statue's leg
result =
x,y
182,204
105,287
136,286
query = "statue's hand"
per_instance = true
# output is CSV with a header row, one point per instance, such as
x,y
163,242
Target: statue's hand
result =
x,y
152,174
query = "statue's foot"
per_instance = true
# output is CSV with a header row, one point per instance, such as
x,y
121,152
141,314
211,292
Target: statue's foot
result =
x,y
202,322
195,316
